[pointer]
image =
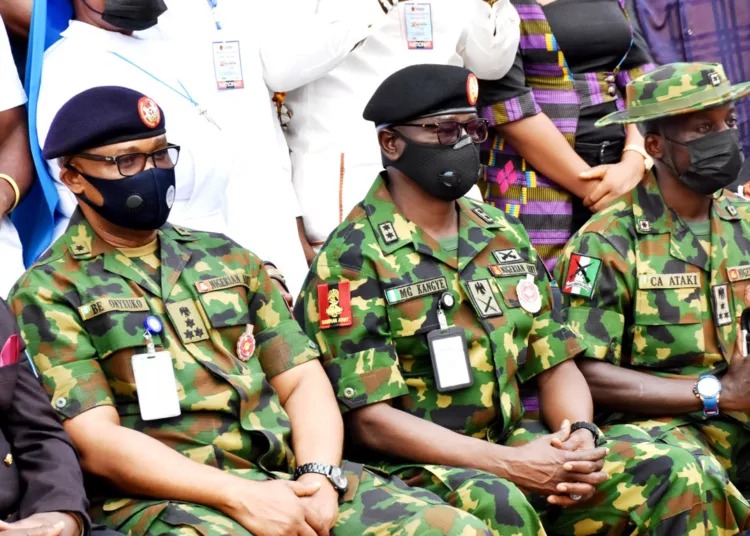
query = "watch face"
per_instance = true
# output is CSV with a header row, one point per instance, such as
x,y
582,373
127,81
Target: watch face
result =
x,y
339,479
709,387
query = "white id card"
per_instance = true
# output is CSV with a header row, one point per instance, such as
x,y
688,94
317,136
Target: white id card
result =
x,y
156,386
418,22
450,359
228,65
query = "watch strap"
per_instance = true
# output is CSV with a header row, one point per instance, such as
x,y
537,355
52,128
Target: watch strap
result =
x,y
275,273
594,429
319,468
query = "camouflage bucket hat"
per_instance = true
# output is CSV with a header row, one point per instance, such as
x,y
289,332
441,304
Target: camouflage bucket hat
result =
x,y
674,89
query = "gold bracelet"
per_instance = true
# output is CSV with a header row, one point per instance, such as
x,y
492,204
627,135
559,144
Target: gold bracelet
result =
x,y
15,189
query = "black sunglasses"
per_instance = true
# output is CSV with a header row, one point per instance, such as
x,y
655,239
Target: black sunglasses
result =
x,y
133,163
449,132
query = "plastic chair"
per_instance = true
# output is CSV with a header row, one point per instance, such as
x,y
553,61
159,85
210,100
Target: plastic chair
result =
x,y
36,216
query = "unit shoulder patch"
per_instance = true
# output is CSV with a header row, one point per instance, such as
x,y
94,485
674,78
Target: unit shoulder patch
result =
x,y
334,305
582,275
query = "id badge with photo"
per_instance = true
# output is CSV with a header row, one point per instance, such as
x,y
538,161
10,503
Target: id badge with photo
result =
x,y
228,65
450,359
156,386
418,25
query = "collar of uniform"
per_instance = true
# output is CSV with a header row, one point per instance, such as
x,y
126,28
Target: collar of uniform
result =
x,y
180,234
651,213
83,242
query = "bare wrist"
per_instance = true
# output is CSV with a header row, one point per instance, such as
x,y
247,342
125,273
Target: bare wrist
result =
x,y
498,460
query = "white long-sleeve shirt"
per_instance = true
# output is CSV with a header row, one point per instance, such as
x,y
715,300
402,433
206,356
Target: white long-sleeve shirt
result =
x,y
331,55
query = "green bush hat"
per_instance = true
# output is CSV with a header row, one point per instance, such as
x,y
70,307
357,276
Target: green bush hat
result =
x,y
675,89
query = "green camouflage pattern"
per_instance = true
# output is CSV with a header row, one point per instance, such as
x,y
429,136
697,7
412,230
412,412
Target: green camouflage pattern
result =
x,y
383,355
666,487
667,329
674,89
81,309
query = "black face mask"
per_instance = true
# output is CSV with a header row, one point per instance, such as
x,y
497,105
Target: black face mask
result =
x,y
715,161
445,172
140,202
131,15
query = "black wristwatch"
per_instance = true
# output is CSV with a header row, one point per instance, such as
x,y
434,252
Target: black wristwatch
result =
x,y
332,472
598,437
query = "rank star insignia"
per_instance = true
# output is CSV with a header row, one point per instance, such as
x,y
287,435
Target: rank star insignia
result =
x,y
388,232
246,344
187,321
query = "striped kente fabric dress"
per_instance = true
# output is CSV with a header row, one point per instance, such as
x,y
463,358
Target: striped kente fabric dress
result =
x,y
540,81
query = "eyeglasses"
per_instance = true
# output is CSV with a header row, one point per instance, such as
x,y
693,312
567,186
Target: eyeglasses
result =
x,y
449,132
133,163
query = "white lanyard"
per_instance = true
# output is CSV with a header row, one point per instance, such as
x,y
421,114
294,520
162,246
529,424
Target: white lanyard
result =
x,y
215,12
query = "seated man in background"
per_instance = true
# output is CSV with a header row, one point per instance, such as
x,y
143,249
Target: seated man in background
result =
x,y
174,362
656,284
42,487
430,310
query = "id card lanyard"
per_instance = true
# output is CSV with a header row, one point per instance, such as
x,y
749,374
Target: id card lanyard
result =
x,y
186,95
215,12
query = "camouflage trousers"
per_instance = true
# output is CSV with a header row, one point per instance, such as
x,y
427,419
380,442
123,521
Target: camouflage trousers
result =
x,y
722,448
654,488
374,505
658,488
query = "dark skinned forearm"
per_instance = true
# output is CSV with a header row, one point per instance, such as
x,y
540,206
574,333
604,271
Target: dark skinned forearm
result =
x,y
542,145
15,154
630,391
16,16
564,395
405,436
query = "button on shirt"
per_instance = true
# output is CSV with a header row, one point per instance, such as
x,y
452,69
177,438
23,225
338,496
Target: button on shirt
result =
x,y
11,96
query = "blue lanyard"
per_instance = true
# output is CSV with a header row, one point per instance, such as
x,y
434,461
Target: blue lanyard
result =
x,y
185,95
214,6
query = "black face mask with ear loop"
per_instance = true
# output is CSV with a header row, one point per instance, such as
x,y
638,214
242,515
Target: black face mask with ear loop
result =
x,y
131,15
445,172
715,161
140,202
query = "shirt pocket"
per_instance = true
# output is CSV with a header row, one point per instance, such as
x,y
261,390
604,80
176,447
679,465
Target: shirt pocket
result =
x,y
668,328
515,314
228,315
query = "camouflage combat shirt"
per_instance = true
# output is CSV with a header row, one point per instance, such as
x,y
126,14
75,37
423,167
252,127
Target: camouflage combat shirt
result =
x,y
383,278
82,309
644,292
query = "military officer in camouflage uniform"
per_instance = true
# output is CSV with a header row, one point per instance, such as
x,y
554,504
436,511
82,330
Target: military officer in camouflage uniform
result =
x,y
176,366
656,284
431,309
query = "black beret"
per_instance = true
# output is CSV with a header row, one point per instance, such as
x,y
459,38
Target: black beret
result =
x,y
421,91
103,116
